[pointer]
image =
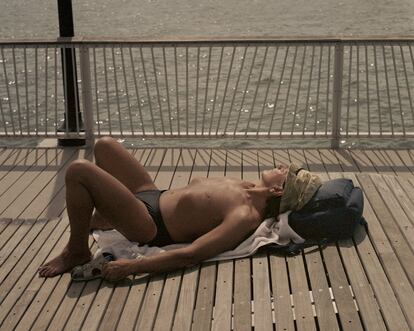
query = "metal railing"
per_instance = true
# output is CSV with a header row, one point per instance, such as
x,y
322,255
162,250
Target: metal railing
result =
x,y
273,88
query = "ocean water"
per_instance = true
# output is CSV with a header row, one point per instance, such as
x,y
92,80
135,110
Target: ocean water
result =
x,y
230,18
171,18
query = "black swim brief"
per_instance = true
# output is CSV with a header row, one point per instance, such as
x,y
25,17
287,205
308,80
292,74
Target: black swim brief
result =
x,y
151,199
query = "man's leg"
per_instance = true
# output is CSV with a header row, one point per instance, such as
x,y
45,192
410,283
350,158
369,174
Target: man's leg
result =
x,y
112,157
88,186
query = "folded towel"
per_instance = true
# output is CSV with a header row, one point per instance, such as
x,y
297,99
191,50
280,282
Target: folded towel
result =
x,y
269,231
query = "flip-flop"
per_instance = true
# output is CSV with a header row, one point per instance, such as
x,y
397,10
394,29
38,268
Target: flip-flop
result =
x,y
92,269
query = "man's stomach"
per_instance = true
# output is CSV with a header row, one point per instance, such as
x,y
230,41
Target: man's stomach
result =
x,y
189,213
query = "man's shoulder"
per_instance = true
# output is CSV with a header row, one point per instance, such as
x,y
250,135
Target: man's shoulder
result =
x,y
245,214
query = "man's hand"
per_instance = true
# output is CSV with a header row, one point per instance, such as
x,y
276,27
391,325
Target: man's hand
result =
x,y
117,270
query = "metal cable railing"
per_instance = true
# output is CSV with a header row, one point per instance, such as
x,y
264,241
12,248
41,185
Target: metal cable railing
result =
x,y
322,88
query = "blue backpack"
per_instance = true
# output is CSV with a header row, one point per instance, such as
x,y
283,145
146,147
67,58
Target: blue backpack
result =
x,y
332,214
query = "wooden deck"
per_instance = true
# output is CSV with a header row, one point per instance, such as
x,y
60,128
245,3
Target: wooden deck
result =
x,y
365,283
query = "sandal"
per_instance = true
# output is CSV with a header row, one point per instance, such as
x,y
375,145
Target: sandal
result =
x,y
92,269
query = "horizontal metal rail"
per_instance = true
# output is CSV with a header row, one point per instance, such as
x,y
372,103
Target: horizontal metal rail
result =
x,y
253,88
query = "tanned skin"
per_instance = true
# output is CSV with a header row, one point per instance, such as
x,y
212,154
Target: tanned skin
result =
x,y
212,214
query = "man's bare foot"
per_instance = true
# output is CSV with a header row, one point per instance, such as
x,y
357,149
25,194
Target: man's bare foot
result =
x,y
62,263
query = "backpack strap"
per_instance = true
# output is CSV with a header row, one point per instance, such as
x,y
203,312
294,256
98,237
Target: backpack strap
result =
x,y
293,249
363,221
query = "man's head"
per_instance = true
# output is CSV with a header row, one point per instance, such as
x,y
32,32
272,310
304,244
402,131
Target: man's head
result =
x,y
275,178
290,188
300,187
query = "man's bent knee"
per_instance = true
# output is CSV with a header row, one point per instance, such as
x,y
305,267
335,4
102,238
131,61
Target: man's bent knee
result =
x,y
78,169
103,145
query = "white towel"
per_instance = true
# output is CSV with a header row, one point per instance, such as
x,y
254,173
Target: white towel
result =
x,y
268,232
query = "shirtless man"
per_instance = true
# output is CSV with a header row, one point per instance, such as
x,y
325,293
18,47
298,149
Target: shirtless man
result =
x,y
213,214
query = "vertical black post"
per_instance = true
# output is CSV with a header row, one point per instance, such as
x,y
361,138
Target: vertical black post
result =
x,y
73,117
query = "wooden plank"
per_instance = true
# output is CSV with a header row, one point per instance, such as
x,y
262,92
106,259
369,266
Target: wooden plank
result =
x,y
324,308
388,256
72,310
224,296
5,155
404,195
297,270
342,295
28,182
39,182
368,306
375,272
319,284
85,298
303,309
380,162
66,302
284,314
262,301
396,163
362,162
389,225
148,313
23,159
242,318
281,293
168,302
297,156
245,166
12,159
346,160
122,288
18,169
137,291
301,295
377,282
262,296
203,312
330,160
187,296
107,289
40,301
9,230
280,156
407,159
314,160
222,316
21,239
49,299
318,162
47,202
4,222
12,270
386,185
12,288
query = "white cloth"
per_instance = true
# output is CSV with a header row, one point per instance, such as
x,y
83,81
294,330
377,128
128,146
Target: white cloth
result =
x,y
270,231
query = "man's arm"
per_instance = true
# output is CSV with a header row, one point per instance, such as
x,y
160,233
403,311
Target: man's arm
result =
x,y
226,236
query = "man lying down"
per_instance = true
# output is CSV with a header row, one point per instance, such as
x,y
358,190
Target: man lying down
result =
x,y
213,215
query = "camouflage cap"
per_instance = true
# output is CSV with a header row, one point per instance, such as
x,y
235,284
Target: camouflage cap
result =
x,y
299,188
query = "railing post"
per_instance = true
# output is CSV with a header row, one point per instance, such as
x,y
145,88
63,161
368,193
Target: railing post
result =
x,y
73,117
337,94
85,71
